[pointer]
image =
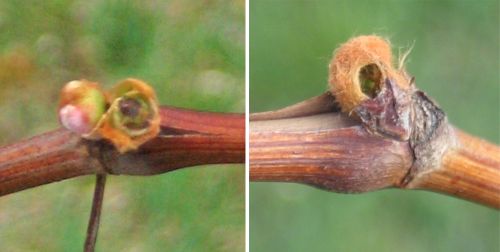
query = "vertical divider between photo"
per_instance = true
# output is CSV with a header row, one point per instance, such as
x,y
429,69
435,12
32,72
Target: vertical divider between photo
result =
x,y
247,126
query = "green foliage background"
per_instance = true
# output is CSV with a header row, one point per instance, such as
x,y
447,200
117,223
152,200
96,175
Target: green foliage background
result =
x,y
455,59
192,52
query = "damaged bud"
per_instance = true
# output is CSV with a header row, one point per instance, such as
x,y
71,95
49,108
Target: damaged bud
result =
x,y
359,68
129,107
385,99
365,83
127,115
132,117
133,114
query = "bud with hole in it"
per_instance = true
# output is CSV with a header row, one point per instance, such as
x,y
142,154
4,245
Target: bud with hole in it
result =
x,y
127,115
132,117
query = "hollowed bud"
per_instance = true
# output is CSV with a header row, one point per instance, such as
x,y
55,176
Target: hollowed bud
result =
x,y
359,69
81,106
365,82
132,118
127,116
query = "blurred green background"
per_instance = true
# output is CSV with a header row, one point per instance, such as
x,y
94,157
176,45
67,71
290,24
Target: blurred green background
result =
x,y
455,60
192,52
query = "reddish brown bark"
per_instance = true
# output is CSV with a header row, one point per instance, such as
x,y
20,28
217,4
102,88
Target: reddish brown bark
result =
x,y
326,151
341,160
188,138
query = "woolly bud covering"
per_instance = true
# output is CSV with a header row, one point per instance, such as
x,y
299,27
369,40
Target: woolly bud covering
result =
x,y
359,68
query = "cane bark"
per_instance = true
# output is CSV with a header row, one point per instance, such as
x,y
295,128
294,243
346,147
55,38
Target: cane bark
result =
x,y
188,138
306,143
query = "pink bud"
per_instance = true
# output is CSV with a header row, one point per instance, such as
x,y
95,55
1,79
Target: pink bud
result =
x,y
75,119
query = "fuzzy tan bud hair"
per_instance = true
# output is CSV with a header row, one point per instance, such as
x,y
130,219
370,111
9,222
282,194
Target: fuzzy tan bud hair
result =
x,y
363,57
